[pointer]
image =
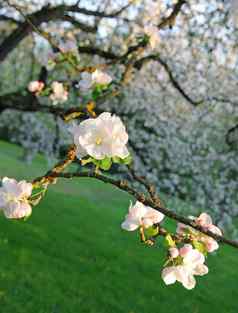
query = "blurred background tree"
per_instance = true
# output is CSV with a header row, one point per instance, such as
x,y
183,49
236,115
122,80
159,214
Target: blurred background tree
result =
x,y
179,98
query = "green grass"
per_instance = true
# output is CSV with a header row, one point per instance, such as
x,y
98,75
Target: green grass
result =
x,y
72,256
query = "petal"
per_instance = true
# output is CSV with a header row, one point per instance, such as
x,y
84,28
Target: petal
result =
x,y
129,225
204,219
121,152
25,187
189,283
215,230
154,215
168,275
18,210
201,270
147,222
193,257
139,210
11,208
185,250
174,252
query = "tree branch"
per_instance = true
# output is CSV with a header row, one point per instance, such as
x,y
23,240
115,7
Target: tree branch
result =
x,y
123,185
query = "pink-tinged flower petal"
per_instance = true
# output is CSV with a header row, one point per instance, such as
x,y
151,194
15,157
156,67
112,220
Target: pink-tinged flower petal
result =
x,y
129,225
12,207
189,283
201,270
138,210
26,188
174,252
99,77
18,210
35,86
185,250
169,275
147,222
193,257
154,215
215,230
204,219
211,244
181,228
10,186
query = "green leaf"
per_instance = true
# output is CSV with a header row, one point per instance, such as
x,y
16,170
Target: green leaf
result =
x,y
127,160
200,246
105,164
151,231
86,161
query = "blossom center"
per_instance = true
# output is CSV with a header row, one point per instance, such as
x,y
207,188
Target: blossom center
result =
x,y
98,141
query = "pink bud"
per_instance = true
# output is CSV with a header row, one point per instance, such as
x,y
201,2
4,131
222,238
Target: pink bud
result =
x,y
35,86
174,252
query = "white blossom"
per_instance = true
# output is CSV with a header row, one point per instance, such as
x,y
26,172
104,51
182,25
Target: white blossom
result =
x,y
153,33
89,80
101,78
141,215
192,264
101,137
59,94
14,198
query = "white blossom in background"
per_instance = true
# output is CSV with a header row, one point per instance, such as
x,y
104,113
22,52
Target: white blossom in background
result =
x,y
101,137
59,94
190,263
69,45
14,198
89,80
36,86
101,78
141,215
154,36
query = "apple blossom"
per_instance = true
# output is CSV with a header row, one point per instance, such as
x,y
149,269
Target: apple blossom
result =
x,y
141,215
14,198
101,78
189,263
59,94
89,80
36,86
101,137
205,221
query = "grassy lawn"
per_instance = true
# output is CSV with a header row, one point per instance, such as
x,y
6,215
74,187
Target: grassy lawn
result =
x,y
72,256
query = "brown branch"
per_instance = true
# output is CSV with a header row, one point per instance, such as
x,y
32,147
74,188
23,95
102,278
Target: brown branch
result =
x,y
123,185
46,14
170,20
155,57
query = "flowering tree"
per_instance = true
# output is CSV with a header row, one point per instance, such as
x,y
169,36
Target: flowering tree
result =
x,y
107,85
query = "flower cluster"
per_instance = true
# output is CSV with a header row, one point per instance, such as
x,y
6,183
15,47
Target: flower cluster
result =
x,y
208,244
184,264
14,198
